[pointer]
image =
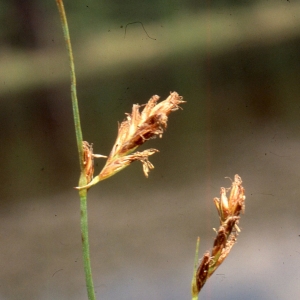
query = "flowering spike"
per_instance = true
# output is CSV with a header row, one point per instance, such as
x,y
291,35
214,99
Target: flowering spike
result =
x,y
137,128
229,210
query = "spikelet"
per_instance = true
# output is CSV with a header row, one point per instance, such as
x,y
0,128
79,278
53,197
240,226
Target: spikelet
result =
x,y
229,210
135,131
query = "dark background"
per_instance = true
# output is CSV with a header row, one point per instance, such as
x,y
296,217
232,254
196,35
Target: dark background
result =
x,y
236,63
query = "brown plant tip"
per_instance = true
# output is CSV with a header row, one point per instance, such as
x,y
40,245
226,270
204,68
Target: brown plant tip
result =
x,y
138,127
237,197
236,202
142,126
229,210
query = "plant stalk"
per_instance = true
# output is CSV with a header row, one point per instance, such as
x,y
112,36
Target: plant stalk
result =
x,y
82,179
86,247
194,284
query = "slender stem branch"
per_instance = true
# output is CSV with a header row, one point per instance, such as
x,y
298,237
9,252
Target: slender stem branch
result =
x,y
76,116
195,293
82,179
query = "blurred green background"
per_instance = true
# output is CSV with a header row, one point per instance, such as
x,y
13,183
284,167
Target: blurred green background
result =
x,y
236,63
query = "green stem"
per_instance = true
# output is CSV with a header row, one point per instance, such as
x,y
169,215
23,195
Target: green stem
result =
x,y
86,248
76,116
82,179
195,291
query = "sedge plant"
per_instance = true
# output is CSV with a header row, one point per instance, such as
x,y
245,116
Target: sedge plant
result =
x,y
135,130
138,127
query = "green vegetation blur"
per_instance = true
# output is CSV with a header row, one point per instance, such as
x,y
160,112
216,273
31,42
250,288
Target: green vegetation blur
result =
x,y
235,62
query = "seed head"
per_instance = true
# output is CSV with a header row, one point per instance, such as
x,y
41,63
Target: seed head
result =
x,y
135,130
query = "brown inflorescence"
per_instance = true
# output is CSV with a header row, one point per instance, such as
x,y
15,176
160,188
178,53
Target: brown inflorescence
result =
x,y
135,131
229,211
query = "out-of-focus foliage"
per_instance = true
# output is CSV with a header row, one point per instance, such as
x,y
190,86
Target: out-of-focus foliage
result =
x,y
201,50
93,15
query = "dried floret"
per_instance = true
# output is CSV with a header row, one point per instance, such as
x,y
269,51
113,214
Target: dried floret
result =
x,y
135,131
